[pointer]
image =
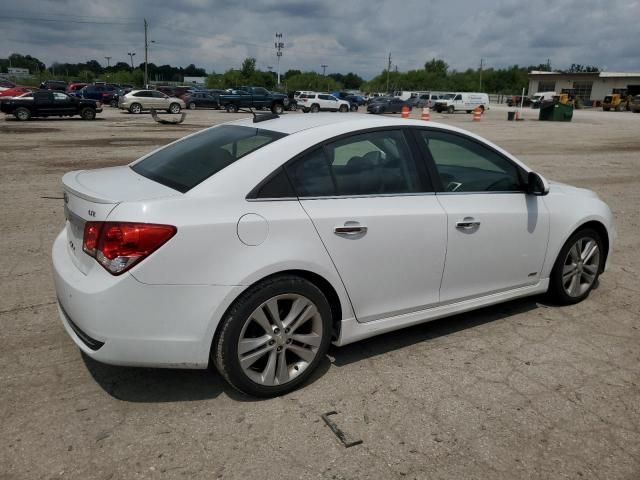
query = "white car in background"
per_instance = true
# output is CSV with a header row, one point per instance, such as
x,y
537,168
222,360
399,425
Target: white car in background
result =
x,y
316,102
138,100
462,101
255,244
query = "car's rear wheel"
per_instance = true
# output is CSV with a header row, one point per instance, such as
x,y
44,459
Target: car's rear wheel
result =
x,y
343,109
277,108
293,107
577,267
135,108
174,108
274,336
192,105
315,108
113,104
22,114
88,113
231,108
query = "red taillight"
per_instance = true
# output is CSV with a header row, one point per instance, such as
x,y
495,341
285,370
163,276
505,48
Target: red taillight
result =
x,y
118,246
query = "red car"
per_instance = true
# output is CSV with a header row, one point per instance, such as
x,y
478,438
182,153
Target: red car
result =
x,y
16,91
72,88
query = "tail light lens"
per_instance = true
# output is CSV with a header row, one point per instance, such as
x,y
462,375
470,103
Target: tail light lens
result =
x,y
118,246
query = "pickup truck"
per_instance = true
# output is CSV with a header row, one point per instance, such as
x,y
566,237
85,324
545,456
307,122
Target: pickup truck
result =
x,y
47,103
254,97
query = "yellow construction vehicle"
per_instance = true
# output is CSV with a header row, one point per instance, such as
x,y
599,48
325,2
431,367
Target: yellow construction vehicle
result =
x,y
615,101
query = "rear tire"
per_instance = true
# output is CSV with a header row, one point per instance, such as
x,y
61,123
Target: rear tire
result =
x,y
577,267
232,108
88,113
192,106
22,114
113,104
277,108
260,319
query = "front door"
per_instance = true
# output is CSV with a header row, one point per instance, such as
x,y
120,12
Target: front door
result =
x,y
375,211
497,233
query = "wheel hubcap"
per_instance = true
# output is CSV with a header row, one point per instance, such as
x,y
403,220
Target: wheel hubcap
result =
x,y
280,339
580,267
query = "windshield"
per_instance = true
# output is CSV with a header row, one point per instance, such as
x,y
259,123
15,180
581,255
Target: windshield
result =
x,y
187,163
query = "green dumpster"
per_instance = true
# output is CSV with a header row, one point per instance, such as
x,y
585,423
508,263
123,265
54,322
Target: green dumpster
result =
x,y
555,112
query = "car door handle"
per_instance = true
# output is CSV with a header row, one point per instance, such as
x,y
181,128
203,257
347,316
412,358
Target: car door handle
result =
x,y
467,224
350,230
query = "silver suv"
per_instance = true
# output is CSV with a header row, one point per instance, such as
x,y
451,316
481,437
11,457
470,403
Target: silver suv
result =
x,y
138,100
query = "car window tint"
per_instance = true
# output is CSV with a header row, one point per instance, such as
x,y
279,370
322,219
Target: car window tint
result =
x,y
59,96
311,176
278,186
187,163
465,165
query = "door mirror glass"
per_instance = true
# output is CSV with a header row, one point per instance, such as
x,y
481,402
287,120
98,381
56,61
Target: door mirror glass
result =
x,y
536,185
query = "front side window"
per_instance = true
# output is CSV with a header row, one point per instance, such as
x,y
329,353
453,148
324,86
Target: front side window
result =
x,y
187,163
465,165
372,163
60,96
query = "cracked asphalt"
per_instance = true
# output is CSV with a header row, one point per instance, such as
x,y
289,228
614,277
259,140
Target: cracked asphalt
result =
x,y
523,390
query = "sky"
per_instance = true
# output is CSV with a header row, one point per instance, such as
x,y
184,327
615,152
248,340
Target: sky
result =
x,y
345,35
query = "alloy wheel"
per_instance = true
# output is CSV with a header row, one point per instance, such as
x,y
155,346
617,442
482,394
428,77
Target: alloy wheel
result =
x,y
580,267
280,339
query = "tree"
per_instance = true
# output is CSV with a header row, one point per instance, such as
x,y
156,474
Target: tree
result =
x,y
437,67
291,73
248,67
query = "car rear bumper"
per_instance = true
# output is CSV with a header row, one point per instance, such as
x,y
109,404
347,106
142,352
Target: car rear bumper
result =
x,y
121,321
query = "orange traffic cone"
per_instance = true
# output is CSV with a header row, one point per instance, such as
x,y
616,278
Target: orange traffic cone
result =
x,y
405,112
517,115
477,114
425,114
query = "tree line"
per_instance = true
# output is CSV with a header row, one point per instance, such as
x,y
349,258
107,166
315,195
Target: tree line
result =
x,y
435,75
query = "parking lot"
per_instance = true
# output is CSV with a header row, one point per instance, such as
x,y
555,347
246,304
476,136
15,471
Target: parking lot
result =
x,y
519,390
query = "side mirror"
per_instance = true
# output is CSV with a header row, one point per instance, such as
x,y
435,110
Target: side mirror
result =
x,y
536,184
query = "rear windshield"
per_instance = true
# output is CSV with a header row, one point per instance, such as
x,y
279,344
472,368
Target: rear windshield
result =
x,y
187,163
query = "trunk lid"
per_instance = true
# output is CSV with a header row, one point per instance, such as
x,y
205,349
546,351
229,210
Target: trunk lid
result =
x,y
91,195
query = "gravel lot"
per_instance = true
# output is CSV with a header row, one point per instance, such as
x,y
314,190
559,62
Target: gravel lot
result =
x,y
520,390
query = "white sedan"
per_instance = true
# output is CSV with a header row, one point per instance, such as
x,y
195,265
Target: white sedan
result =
x,y
253,245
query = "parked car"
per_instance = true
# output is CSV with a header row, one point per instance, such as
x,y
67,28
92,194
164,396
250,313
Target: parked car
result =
x,y
49,104
316,102
182,258
201,100
6,84
138,100
357,99
386,105
463,101
538,98
59,85
254,97
426,100
103,93
74,88
16,91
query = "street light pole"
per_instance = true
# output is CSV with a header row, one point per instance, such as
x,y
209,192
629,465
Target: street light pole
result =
x,y
131,56
108,61
146,53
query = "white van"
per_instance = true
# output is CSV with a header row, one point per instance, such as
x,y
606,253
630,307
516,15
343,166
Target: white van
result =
x,y
540,97
465,101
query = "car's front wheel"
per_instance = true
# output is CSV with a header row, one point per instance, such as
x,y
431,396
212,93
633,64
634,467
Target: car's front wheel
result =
x,y
277,108
577,267
232,108
274,336
174,108
315,108
135,108
343,109
192,105
88,113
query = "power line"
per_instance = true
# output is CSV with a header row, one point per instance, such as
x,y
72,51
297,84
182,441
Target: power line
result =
x,y
62,20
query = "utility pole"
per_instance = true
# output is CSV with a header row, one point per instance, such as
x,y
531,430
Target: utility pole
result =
x,y
388,68
146,53
324,69
279,44
131,56
108,61
480,89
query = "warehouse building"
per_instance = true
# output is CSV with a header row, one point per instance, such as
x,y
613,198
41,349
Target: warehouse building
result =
x,y
590,87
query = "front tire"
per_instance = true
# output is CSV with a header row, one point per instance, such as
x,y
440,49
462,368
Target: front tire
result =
x,y
315,108
273,337
231,108
451,109
22,114
343,109
192,105
277,108
577,267
88,113
174,108
135,108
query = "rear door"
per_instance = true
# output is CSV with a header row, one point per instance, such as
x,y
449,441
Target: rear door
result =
x,y
377,215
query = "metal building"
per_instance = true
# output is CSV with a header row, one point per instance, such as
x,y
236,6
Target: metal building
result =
x,y
590,87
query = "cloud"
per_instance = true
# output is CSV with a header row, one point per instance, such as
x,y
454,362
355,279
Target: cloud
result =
x,y
354,35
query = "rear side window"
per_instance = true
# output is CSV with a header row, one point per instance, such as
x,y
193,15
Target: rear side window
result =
x,y
187,163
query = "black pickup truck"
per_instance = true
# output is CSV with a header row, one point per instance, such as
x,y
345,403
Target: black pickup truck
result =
x,y
49,104
254,97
